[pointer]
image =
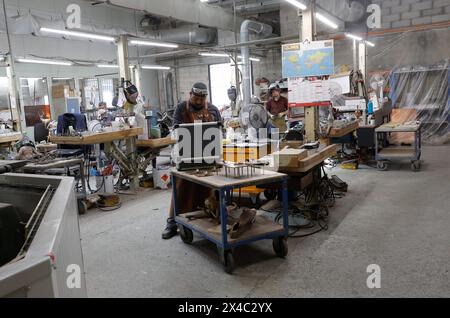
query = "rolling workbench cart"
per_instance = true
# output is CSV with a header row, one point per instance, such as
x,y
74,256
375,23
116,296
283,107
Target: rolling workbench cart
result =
x,y
414,153
262,229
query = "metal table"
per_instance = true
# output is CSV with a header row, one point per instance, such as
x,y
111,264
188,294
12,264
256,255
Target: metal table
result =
x,y
414,153
262,229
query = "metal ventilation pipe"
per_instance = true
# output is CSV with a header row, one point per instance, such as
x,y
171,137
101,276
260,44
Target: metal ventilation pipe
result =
x,y
192,35
260,29
169,91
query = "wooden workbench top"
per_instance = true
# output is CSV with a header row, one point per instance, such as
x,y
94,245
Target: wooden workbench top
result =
x,y
97,138
9,138
156,143
341,132
220,181
396,127
314,158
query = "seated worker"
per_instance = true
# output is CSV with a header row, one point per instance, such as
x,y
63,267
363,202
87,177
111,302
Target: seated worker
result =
x,y
103,115
190,195
277,107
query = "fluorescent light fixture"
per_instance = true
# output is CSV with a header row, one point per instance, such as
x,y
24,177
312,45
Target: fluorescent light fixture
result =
x,y
155,67
62,78
326,21
370,43
253,59
298,4
48,62
214,54
204,0
354,37
79,34
151,43
107,66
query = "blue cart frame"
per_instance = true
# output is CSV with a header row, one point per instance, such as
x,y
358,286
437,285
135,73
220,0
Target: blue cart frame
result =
x,y
225,195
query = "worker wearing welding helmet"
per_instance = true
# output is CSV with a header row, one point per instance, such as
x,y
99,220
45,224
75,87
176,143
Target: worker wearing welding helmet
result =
x,y
277,107
131,95
189,195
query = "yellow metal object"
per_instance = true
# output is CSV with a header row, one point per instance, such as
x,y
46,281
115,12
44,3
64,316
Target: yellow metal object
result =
x,y
350,166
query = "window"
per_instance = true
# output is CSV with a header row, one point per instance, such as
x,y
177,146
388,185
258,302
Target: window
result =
x,y
91,94
221,78
4,93
107,90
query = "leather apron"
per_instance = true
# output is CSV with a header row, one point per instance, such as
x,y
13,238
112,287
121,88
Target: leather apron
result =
x,y
190,196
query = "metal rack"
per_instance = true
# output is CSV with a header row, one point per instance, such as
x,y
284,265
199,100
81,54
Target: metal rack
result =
x,y
383,156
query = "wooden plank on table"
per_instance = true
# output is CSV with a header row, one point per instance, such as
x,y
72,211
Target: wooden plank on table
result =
x,y
314,159
341,132
156,143
289,157
97,138
5,139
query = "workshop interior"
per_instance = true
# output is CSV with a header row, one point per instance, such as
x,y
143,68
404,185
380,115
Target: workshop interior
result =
x,y
224,148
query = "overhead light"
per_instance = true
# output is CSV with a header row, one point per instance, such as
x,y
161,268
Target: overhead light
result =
x,y
111,66
62,78
354,37
155,67
326,21
107,65
298,4
253,59
152,43
79,34
370,43
49,62
204,0
214,54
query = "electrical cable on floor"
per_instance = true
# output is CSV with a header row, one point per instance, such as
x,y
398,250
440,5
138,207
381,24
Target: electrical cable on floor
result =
x,y
316,213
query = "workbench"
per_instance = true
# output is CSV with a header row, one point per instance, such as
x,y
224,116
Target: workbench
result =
x,y
412,153
8,139
343,131
127,161
302,176
262,229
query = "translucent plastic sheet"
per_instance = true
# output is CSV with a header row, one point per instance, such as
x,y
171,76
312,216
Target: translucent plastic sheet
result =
x,y
414,70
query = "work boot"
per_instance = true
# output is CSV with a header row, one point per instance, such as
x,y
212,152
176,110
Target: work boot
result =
x,y
171,229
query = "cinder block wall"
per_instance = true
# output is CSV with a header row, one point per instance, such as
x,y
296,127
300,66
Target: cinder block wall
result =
x,y
405,13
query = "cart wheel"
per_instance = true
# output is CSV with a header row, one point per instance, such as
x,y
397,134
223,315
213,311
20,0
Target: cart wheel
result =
x,y
416,165
186,234
226,259
82,207
280,246
228,262
382,165
270,194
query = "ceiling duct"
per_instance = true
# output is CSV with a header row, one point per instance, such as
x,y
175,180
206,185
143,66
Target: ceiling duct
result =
x,y
192,35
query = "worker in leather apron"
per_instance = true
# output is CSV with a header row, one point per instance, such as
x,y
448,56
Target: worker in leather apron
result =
x,y
277,107
191,196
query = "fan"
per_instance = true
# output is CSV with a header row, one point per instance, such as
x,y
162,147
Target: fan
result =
x,y
377,84
254,116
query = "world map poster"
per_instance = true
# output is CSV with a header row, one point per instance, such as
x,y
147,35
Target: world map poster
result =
x,y
308,59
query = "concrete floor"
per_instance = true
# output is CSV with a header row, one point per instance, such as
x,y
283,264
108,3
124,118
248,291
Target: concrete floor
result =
x,y
399,220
